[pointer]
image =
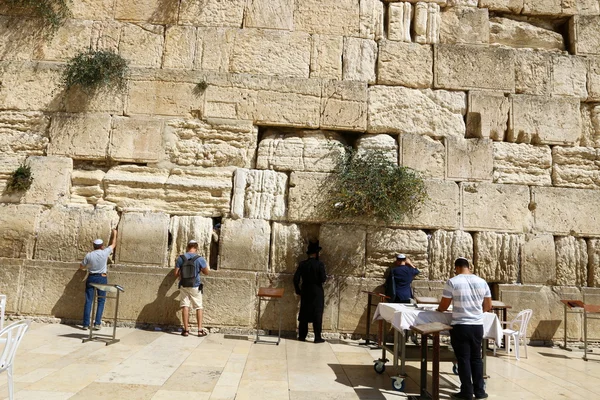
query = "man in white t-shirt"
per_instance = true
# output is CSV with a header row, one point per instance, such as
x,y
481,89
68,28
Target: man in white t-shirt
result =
x,y
471,297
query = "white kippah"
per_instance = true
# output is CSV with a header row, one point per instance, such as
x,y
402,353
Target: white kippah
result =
x,y
192,242
98,242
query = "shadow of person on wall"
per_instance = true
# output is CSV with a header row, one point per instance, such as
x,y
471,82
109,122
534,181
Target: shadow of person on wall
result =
x,y
69,306
163,309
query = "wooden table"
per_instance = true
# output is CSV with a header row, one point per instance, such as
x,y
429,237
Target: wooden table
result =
x,y
431,329
571,307
426,300
588,309
498,306
267,294
382,297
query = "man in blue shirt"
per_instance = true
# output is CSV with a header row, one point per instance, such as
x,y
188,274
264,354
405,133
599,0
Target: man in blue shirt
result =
x,y
191,296
402,275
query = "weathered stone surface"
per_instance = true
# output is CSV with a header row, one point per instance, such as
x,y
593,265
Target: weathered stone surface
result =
x,y
508,32
9,164
428,288
142,238
326,56
419,27
465,25
212,12
436,113
162,98
488,206
405,64
332,18
424,154
343,249
434,20
353,314
162,12
564,211
86,186
136,139
270,14
488,115
245,244
288,305
311,151
538,259
444,248
106,35
571,261
92,9
590,125
497,256
371,18
522,164
75,228
593,78
258,194
10,272
379,142
544,120
469,159
588,7
359,59
569,76
575,167
18,227
513,6
344,105
23,132
399,21
214,49
384,243
180,43
83,136
533,71
186,228
289,244
586,34
51,180
210,144
441,210
472,67
142,45
545,7
21,89
462,3
68,40
18,38
593,251
307,189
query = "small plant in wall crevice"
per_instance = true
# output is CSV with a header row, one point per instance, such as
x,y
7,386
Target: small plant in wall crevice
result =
x,y
95,70
53,13
20,180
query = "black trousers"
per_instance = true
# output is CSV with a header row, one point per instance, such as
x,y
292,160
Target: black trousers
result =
x,y
317,327
466,342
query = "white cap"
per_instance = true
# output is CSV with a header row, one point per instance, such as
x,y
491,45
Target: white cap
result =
x,y
192,242
400,256
98,242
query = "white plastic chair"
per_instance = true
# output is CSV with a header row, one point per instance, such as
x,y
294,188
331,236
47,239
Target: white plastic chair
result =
x,y
2,308
517,330
10,338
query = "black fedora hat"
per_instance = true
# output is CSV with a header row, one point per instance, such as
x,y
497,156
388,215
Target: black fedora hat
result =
x,y
313,247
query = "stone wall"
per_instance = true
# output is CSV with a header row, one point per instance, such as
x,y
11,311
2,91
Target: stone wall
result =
x,y
496,102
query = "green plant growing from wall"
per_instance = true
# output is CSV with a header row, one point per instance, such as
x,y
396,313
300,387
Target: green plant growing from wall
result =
x,y
94,70
368,184
20,180
53,13
200,88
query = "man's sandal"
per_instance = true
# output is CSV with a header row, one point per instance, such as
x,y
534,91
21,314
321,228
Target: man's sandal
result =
x,y
202,333
185,333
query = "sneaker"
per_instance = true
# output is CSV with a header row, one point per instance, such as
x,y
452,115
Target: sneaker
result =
x,y
460,396
97,327
481,397
85,327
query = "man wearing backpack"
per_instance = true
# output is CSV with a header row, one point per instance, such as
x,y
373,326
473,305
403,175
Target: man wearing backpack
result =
x,y
187,268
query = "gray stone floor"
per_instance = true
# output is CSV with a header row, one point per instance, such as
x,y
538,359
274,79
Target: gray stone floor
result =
x,y
53,363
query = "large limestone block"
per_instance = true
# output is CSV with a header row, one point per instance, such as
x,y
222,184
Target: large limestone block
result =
x,y
400,21
326,56
508,32
77,100
212,12
564,211
488,207
571,261
344,105
569,76
340,17
469,159
423,154
226,307
311,151
134,187
86,186
18,228
80,136
245,244
214,48
444,248
180,44
136,139
435,113
142,238
593,251
21,88
258,194
371,19
465,25
270,14
192,142
593,78
353,305
8,164
285,308
588,7
106,35
359,60
585,35
546,7
544,120
513,6
162,12
343,249
23,132
488,115
441,210
384,243
405,64
10,273
590,125
385,144
522,164
428,288
142,45
426,23
497,256
533,72
289,244
271,52
75,228
16,39
575,167
186,228
51,180
473,67
70,39
205,192
162,98
306,196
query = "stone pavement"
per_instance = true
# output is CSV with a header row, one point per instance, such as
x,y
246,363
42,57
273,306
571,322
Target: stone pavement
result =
x,y
53,364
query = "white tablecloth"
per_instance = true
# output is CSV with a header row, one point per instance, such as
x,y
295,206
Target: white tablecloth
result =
x,y
402,317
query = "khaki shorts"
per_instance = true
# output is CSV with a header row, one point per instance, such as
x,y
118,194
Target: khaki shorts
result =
x,y
190,297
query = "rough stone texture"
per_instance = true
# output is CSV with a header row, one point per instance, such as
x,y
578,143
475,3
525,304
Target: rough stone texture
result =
x,y
586,34
8,164
469,159
86,186
306,191
289,244
593,251
353,314
405,64
157,11
399,21
371,18
21,89
180,42
436,113
23,132
575,167
332,18
441,210
245,244
70,39
142,238
419,27
508,32
569,76
16,39
423,154
186,228
18,227
593,78
465,25
136,139
545,7
212,12
258,194
270,14
384,243
344,105
472,67
162,98
497,256
571,261
588,7
214,49
522,164
538,259
221,308
513,6
544,120
359,59
311,151
343,249
590,125
142,45
326,56
488,115
444,248
533,72
10,272
487,206
80,136
192,142
51,180
380,142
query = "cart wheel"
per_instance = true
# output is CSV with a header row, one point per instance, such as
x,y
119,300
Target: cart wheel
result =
x,y
398,384
379,366
455,369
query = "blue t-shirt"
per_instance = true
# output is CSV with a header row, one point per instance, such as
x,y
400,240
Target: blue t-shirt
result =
x,y
200,263
403,277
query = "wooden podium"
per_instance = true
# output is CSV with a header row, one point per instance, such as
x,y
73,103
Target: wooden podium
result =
x,y
269,294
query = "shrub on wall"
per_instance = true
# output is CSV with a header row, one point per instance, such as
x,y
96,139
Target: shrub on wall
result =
x,y
94,70
53,12
20,180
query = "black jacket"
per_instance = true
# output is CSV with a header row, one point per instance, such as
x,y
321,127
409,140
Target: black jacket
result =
x,y
308,282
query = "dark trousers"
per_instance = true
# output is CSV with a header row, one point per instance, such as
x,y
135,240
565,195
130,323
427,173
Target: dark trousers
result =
x,y
89,299
317,327
466,342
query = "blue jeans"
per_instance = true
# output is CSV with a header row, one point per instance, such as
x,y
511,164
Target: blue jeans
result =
x,y
466,342
89,298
